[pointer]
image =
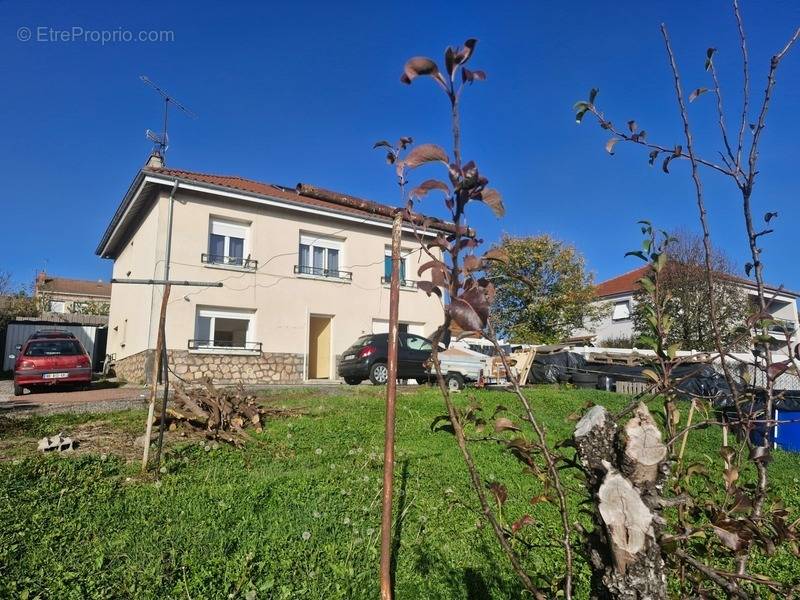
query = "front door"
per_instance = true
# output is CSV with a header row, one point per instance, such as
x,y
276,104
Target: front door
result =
x,y
319,348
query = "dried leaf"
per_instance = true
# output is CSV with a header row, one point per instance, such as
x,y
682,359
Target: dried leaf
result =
x,y
521,522
504,424
499,492
699,91
419,65
425,153
632,126
493,200
472,263
610,145
464,315
429,288
426,186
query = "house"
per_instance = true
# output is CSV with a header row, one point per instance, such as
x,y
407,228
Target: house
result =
x,y
619,292
304,274
61,296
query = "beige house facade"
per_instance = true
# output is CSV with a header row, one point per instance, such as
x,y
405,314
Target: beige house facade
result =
x,y
303,276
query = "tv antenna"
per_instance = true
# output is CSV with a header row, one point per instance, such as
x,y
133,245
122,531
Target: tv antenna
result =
x,y
161,140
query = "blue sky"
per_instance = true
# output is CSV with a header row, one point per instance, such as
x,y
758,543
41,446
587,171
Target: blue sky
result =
x,y
299,91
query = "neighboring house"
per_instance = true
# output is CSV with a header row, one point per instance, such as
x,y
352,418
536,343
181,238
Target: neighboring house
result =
x,y
63,296
618,294
304,275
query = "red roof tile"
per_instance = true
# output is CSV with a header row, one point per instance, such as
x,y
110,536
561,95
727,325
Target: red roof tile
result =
x,y
330,201
628,283
77,287
622,284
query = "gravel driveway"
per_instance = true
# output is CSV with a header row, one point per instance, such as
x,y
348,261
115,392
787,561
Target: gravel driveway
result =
x,y
100,398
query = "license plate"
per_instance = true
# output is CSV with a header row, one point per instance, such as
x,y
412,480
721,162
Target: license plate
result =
x,y
350,357
54,375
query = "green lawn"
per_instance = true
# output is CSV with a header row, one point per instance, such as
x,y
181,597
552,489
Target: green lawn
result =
x,y
295,515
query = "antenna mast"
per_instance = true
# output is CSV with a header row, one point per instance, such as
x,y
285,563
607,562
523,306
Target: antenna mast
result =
x,y
161,141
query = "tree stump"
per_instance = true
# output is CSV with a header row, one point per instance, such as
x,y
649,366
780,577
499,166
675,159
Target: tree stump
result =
x,y
621,469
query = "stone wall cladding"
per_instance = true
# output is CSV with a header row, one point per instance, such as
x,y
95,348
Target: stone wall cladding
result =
x,y
133,368
225,369
250,369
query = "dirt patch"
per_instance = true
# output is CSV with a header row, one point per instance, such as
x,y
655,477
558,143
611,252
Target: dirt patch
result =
x,y
95,437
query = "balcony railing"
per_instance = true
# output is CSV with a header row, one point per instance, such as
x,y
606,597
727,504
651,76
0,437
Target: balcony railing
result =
x,y
221,345
230,261
321,272
406,283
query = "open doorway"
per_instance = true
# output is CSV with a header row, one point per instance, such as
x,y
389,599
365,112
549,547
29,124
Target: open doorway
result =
x,y
319,347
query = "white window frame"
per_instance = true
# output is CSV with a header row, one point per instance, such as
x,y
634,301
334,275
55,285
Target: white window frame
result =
x,y
53,303
406,283
326,243
621,303
214,313
228,228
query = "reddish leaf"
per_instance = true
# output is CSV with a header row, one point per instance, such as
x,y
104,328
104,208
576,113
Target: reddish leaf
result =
x,y
423,154
472,263
419,65
695,94
426,186
493,200
521,522
730,539
610,145
429,288
476,297
499,492
439,242
464,315
497,254
464,54
382,143
504,424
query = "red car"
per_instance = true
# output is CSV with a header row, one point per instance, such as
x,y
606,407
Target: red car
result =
x,y
51,358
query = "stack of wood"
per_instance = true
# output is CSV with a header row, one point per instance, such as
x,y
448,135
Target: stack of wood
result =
x,y
223,414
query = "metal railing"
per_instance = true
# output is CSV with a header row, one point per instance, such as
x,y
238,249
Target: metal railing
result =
x,y
782,326
406,283
322,272
220,345
229,261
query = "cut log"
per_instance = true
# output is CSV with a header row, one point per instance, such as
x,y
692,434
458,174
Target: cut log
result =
x,y
644,450
594,439
626,518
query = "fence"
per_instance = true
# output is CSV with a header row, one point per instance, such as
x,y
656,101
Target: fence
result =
x,y
92,337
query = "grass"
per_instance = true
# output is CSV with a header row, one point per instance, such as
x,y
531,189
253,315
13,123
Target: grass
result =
x,y
295,515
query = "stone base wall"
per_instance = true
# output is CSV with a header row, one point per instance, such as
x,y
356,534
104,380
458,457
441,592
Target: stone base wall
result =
x,y
225,369
134,368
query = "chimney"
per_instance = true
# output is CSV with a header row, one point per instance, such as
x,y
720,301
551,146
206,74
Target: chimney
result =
x,y
155,160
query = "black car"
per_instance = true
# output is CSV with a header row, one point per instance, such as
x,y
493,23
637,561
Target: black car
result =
x,y
367,357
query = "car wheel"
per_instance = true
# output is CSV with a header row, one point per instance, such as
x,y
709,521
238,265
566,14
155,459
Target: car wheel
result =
x,y
352,380
18,390
379,374
454,381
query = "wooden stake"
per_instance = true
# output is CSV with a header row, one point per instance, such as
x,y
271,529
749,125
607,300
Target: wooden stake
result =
x,y
154,374
391,395
686,433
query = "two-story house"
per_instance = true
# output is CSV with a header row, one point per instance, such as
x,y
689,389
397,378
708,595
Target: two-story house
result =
x,y
304,274
618,295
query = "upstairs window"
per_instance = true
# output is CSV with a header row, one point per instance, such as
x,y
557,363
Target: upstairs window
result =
x,y
387,268
58,306
227,243
321,257
622,311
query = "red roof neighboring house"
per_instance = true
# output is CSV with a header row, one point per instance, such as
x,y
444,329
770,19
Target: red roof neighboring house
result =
x,y
72,287
627,283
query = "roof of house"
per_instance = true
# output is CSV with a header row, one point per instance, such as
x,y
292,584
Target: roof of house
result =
x,y
628,283
303,196
77,287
